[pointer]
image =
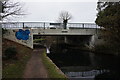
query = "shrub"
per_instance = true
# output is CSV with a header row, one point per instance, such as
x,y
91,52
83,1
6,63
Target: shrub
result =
x,y
4,31
10,52
38,40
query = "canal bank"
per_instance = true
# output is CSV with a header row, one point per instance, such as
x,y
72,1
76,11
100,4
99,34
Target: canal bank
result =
x,y
53,70
13,68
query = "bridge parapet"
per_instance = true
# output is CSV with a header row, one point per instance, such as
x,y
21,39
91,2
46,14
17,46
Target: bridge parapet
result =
x,y
82,25
64,31
46,25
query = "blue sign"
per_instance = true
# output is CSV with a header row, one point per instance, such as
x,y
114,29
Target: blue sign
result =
x,y
22,35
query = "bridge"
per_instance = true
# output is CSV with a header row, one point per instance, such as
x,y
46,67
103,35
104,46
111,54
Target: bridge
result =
x,y
46,28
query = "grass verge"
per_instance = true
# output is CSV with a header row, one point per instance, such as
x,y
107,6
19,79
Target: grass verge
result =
x,y
53,72
14,68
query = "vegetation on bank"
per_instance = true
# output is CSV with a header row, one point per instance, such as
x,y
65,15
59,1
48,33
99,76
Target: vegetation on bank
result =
x,y
38,40
108,18
106,49
53,72
13,67
4,31
10,53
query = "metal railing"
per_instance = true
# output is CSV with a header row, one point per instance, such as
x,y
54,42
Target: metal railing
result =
x,y
45,25
82,25
25,25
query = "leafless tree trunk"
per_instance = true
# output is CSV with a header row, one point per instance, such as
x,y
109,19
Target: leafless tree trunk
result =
x,y
64,17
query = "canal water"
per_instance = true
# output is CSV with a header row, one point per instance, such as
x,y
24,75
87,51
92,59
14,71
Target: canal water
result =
x,y
86,65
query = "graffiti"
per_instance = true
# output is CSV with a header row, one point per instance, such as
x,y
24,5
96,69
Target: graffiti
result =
x,y
22,35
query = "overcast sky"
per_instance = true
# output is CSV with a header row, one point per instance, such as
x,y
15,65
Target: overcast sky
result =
x,y
48,11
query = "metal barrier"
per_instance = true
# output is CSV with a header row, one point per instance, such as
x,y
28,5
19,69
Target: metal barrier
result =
x,y
45,25
82,25
18,25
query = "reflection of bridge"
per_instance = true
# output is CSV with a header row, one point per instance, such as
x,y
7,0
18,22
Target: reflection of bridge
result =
x,y
41,28
86,74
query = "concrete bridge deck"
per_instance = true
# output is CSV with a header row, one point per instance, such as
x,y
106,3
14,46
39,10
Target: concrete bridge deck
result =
x,y
64,31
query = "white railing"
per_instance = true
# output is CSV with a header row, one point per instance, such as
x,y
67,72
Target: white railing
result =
x,y
46,25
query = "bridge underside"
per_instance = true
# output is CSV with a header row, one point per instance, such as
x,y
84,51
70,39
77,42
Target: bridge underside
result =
x,y
61,35
80,40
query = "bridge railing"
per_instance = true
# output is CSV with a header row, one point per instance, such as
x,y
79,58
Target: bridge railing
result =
x,y
17,25
82,25
45,25
37,24
11,25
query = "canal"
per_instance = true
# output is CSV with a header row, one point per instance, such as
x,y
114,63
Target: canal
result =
x,y
76,63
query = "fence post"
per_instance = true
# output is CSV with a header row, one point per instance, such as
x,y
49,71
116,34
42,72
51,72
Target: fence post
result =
x,y
83,25
44,25
23,25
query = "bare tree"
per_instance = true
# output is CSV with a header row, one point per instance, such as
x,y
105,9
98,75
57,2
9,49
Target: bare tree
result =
x,y
64,17
0,9
11,9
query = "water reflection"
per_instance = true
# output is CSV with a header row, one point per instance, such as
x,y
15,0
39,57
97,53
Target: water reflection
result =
x,y
85,74
83,64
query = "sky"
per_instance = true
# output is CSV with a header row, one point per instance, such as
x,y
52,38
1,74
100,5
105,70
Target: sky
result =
x,y
49,10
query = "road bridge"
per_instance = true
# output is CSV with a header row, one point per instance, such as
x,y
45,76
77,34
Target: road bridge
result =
x,y
45,28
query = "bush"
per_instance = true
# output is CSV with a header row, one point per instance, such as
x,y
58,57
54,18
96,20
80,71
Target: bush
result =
x,y
107,49
10,52
38,40
4,31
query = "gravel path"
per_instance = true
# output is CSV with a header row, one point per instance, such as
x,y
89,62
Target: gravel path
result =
x,y
35,67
